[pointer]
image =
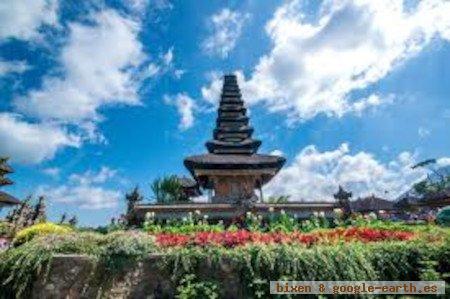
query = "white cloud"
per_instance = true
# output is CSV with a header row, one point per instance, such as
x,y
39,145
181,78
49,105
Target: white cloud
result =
x,y
164,66
90,177
316,64
226,30
52,171
100,66
32,142
84,196
423,132
84,191
152,70
178,73
7,67
211,93
185,106
277,152
99,62
22,19
315,175
137,6
371,101
168,57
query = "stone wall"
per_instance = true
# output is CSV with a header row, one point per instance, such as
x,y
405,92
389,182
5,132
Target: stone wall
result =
x,y
75,276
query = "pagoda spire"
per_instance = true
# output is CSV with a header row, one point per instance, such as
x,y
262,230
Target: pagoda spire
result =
x,y
232,134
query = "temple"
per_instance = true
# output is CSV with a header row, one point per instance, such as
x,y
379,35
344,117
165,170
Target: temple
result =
x,y
5,198
232,170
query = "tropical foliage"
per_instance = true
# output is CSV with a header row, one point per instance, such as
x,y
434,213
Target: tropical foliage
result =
x,y
168,190
443,217
440,182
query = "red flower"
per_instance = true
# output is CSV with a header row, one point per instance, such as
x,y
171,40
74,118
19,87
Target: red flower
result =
x,y
243,237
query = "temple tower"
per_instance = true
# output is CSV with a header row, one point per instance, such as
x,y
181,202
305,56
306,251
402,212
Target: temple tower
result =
x,y
232,169
5,198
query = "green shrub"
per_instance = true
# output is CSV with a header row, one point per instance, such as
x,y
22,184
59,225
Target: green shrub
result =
x,y
6,229
348,261
125,248
256,264
40,229
20,266
443,217
191,288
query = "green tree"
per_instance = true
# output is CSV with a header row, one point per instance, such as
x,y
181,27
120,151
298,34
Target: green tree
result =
x,y
73,221
40,214
429,186
168,189
278,199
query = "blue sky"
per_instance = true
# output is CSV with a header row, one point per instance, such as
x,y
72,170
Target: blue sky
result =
x,y
99,97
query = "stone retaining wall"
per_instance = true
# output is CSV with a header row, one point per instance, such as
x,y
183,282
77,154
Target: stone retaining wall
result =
x,y
74,276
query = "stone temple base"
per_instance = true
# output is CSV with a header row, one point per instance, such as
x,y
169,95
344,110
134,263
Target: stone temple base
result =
x,y
228,212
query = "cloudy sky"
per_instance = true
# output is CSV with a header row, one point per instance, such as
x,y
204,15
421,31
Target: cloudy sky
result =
x,y
100,96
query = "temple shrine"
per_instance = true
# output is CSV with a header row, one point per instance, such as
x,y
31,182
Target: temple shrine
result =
x,y
232,172
232,169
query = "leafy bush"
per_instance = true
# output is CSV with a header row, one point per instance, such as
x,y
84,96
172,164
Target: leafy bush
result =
x,y
168,190
20,266
6,229
194,222
40,229
443,217
191,288
124,249
259,264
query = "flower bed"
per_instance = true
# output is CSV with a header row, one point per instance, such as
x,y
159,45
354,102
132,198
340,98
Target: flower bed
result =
x,y
381,251
244,237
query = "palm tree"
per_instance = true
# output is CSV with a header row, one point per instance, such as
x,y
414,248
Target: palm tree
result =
x,y
430,186
168,190
278,199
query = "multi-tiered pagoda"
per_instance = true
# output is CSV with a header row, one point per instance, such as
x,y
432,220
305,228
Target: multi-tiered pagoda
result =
x,y
232,169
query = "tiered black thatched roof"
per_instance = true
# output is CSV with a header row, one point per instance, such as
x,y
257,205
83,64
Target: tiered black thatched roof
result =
x,y
232,146
5,198
4,170
232,134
